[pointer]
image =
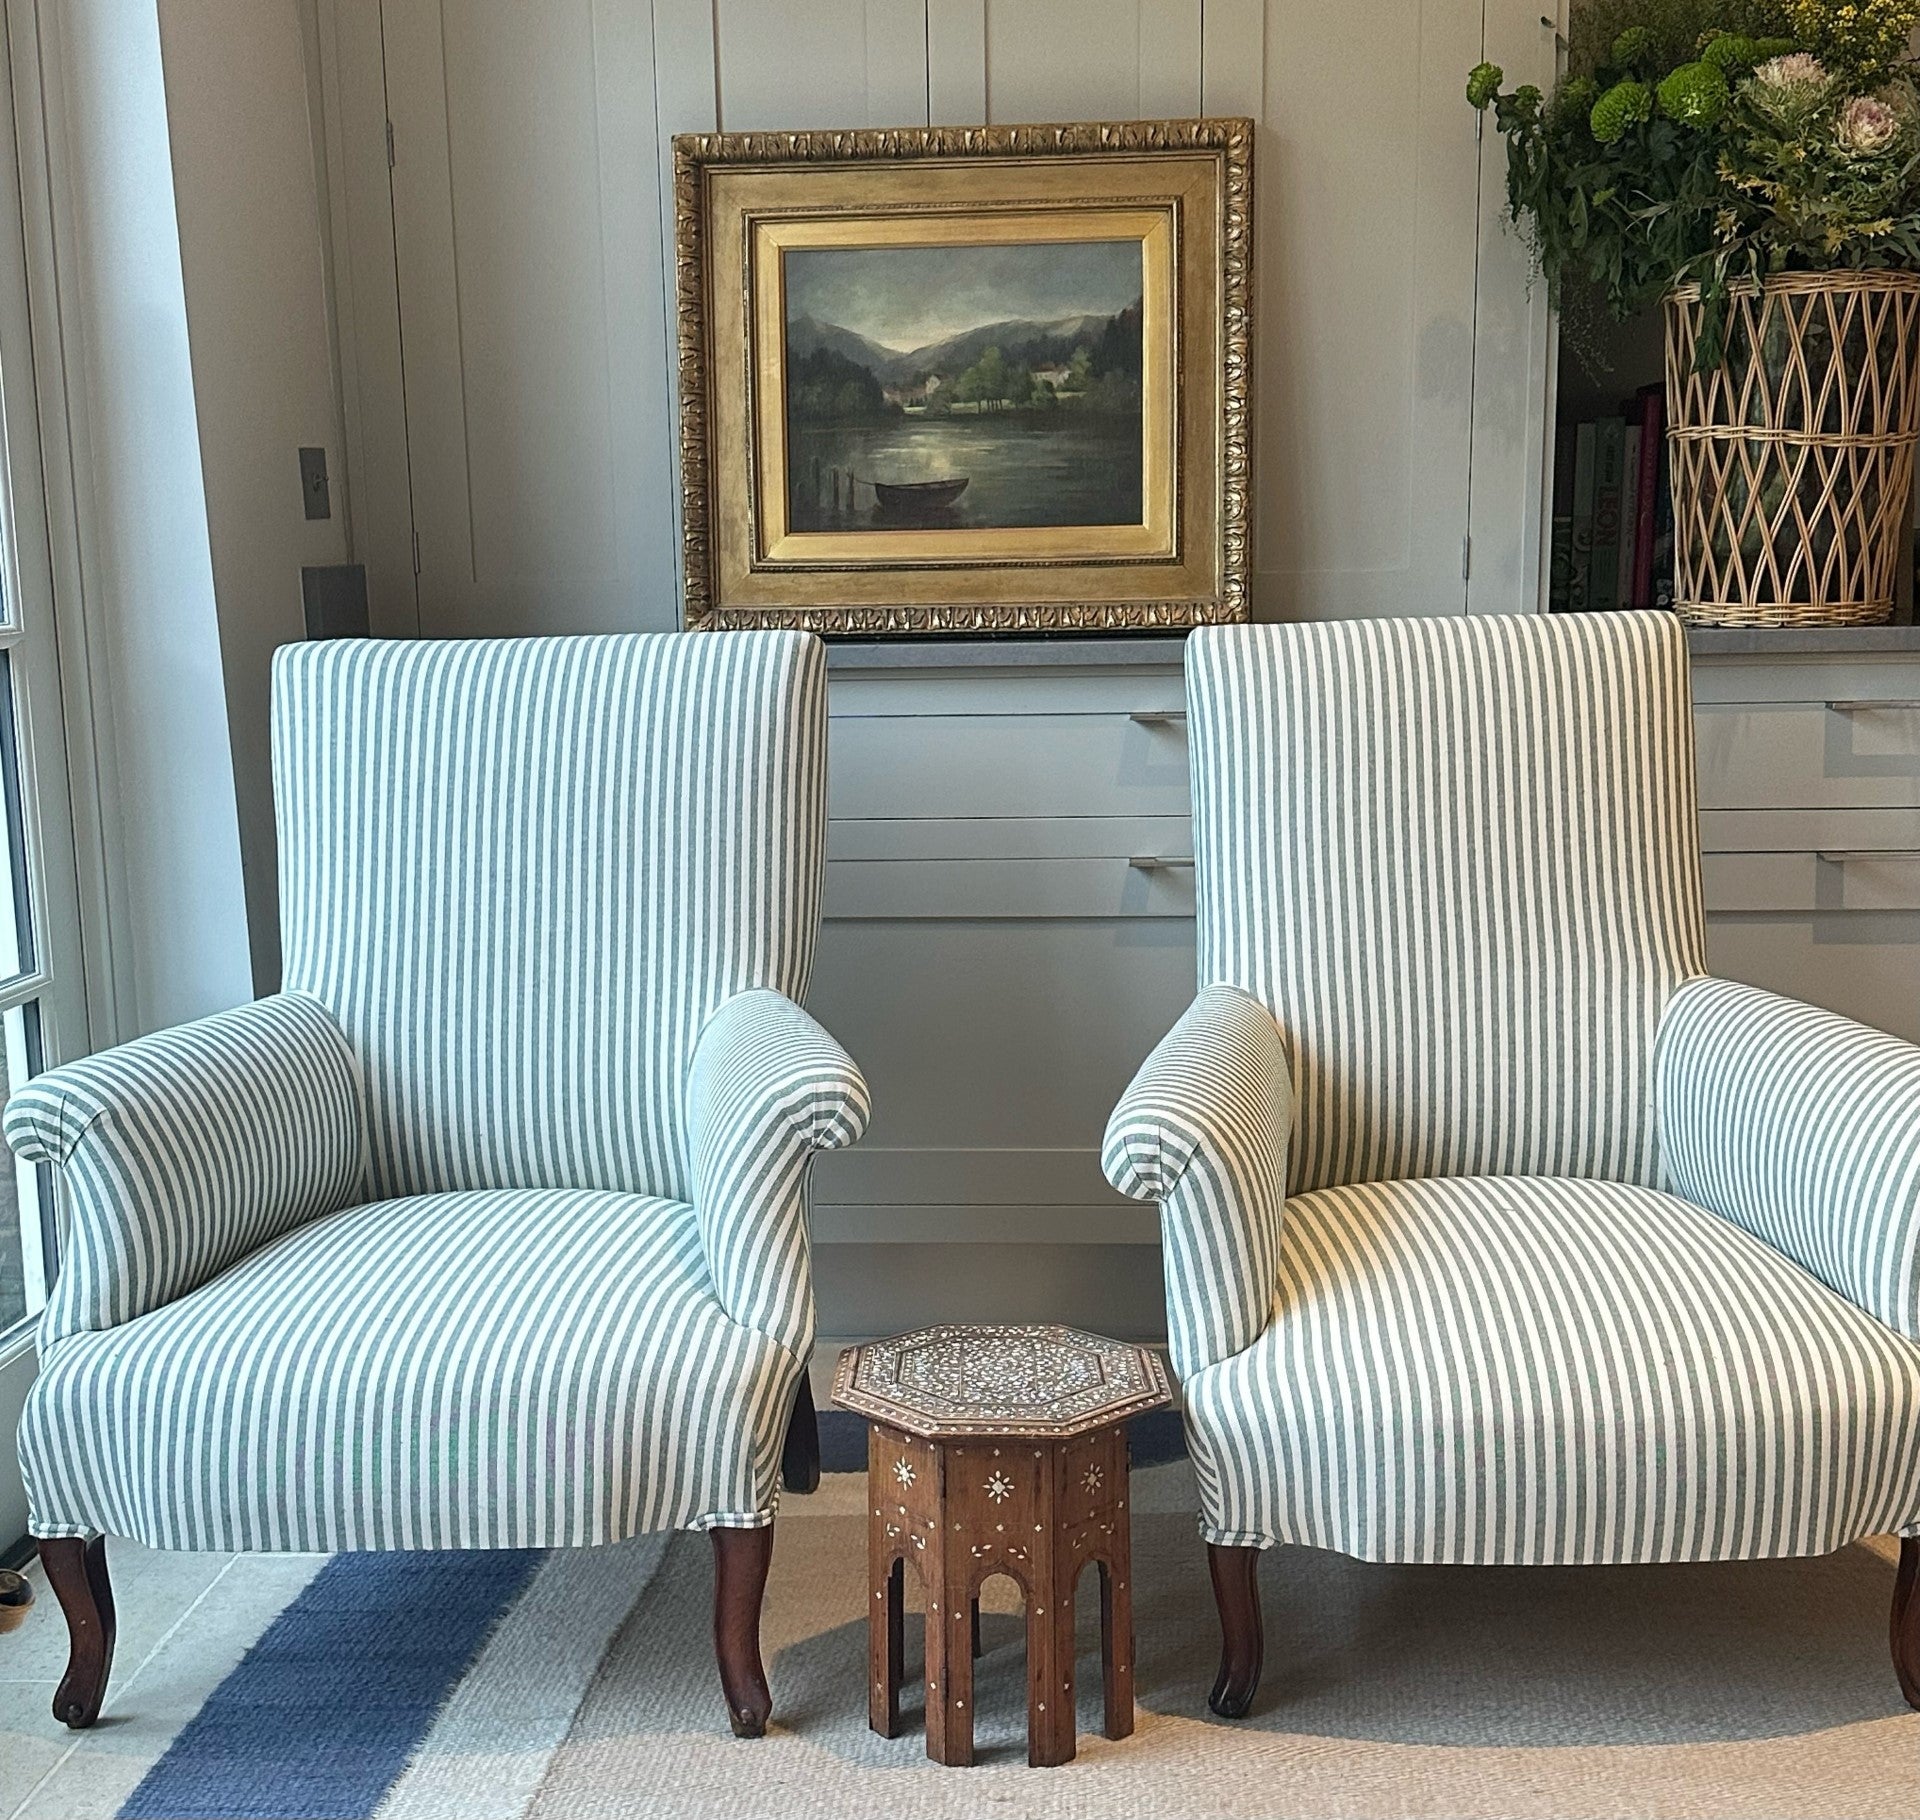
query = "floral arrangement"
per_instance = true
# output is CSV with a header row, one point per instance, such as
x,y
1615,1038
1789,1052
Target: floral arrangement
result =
x,y
1707,143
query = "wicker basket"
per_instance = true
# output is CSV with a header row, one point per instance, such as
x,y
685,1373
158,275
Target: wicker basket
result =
x,y
1793,460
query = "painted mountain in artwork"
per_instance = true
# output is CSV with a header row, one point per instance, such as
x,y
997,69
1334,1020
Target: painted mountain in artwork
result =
x,y
1021,341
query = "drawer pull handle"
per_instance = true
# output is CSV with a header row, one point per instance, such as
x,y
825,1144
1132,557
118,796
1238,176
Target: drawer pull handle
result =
x,y
1162,862
1158,717
1868,706
1838,856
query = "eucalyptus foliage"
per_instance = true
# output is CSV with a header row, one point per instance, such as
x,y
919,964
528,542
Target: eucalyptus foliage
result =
x,y
1714,142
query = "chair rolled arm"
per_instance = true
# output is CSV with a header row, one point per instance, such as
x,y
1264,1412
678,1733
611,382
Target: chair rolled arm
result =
x,y
768,1089
1804,1128
183,1151
1203,1130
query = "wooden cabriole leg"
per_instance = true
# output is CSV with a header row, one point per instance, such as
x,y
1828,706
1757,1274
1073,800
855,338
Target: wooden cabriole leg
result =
x,y
1906,1620
77,1572
800,1454
741,1558
1236,1591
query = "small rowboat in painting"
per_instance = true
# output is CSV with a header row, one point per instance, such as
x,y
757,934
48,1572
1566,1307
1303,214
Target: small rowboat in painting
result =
x,y
917,495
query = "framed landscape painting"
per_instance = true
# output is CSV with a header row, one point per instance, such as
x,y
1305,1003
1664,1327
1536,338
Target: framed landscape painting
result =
x,y
947,380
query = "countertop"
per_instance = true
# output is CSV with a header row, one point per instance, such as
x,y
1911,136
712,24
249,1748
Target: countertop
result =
x,y
1158,651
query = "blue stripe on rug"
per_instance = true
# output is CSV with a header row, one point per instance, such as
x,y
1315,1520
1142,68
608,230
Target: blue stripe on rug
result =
x,y
325,1711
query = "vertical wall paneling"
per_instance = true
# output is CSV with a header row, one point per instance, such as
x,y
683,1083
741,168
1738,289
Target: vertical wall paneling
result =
x,y
1364,289
1233,60
686,100
525,197
896,48
859,57
1091,60
366,307
1169,60
957,62
1513,349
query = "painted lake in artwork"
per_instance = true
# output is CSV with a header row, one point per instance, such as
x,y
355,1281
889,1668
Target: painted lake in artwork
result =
x,y
981,387
1083,471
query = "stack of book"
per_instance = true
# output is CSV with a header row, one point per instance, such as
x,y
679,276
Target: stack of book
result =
x,y
1613,511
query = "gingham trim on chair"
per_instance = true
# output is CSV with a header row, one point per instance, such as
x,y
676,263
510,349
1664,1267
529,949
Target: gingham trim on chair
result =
x,y
1203,1131
1458,859
1530,1370
185,1150
1804,1128
500,1368
768,1089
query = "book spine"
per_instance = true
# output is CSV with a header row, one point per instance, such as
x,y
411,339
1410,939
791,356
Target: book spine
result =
x,y
1629,517
1560,546
1580,572
1646,492
1603,593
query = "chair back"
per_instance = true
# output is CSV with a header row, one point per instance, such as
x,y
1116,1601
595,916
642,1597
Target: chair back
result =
x,y
1458,858
523,872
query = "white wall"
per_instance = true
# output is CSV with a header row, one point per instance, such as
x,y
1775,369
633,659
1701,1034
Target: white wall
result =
x,y
110,297
257,329
520,255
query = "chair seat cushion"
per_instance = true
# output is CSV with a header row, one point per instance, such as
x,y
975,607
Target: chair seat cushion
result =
x,y
1521,1369
487,1369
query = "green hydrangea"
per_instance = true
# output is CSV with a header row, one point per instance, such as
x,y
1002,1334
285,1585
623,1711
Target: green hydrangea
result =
x,y
1731,51
1572,101
1625,105
1483,83
1696,94
1634,46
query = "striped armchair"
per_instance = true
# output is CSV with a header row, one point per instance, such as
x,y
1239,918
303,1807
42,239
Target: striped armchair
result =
x,y
1494,1229
489,1229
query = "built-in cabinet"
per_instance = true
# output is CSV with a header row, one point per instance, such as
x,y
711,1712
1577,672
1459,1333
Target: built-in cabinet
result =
x,y
1010,930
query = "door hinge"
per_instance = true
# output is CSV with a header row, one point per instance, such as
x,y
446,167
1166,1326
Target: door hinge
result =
x,y
389,145
416,552
1466,557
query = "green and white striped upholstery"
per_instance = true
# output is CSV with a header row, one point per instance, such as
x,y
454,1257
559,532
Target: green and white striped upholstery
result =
x,y
185,1150
1528,1370
489,1230
1203,1131
523,873
1804,1128
1457,859
495,1368
1568,1253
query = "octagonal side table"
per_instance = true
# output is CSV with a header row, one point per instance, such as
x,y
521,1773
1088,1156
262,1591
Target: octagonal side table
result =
x,y
998,1450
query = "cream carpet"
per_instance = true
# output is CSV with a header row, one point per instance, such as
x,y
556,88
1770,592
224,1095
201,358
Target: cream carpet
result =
x,y
1668,1691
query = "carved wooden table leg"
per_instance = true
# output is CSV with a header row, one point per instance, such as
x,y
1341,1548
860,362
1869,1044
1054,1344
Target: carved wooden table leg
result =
x,y
886,1643
950,1656
1116,1616
998,1450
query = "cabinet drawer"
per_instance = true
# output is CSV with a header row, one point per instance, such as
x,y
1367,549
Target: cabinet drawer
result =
x,y
1831,880
915,767
1807,755
1863,966
1010,837
1017,889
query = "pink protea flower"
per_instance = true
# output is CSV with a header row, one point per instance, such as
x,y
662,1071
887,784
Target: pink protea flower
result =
x,y
1798,69
1867,126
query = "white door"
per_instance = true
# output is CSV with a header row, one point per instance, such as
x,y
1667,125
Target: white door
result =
x,y
42,1006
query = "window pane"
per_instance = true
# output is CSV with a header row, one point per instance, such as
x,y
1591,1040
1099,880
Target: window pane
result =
x,y
26,1201
16,943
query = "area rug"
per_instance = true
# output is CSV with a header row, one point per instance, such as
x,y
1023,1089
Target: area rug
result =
x,y
580,1686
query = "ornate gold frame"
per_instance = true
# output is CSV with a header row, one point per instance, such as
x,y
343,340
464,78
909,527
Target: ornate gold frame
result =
x,y
1186,566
